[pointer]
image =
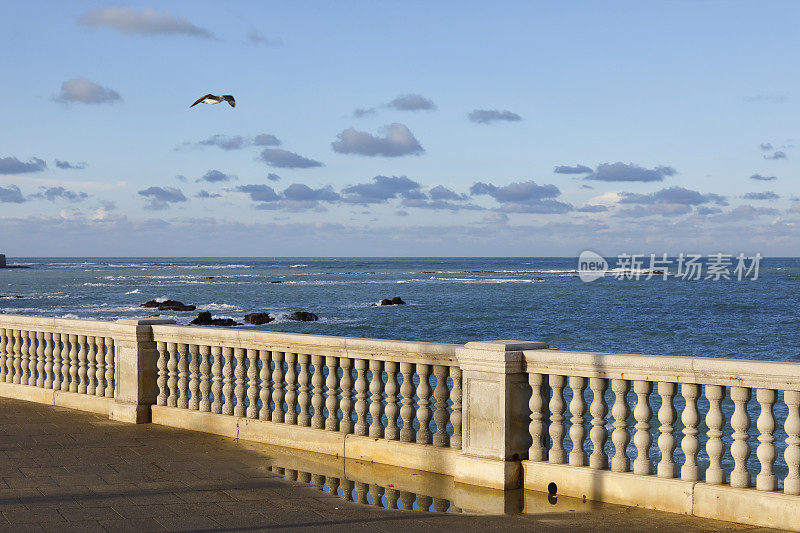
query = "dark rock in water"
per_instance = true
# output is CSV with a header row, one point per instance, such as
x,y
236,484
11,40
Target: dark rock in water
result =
x,y
153,316
209,277
539,279
276,282
204,318
302,316
169,305
394,301
258,318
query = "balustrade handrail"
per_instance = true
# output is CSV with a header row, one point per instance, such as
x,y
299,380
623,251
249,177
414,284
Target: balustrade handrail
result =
x,y
663,368
350,347
57,325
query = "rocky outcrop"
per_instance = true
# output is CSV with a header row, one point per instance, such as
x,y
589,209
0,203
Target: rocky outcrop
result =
x,y
302,316
258,318
169,305
394,301
204,318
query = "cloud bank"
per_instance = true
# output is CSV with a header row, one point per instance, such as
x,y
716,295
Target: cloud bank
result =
x,y
83,91
397,140
146,22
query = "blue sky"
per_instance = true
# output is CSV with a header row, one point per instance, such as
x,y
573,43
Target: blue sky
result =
x,y
413,128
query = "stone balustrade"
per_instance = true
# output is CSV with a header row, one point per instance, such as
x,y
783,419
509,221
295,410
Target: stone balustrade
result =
x,y
67,362
711,437
681,434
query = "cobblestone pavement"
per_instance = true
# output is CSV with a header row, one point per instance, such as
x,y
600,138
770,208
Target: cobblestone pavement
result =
x,y
63,470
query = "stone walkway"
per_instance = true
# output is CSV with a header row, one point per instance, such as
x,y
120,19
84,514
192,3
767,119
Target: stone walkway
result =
x,y
63,470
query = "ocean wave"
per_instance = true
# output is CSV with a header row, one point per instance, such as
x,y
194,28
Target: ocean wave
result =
x,y
134,291
218,307
297,266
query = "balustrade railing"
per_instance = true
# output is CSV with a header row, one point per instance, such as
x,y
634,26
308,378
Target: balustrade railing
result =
x,y
42,355
408,392
737,423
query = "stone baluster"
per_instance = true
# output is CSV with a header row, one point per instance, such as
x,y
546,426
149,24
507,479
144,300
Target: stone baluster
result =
x,y
376,398
91,372
67,347
317,397
455,413
346,404
392,432
194,377
3,357
423,404
361,492
25,371
318,480
183,375
715,420
57,347
408,499
33,357
332,392
598,460
303,477
204,352
82,361
172,374
441,505
216,379
17,376
100,367
642,438
689,443
791,483
740,448
48,361
239,390
440,416
161,381
41,345
766,480
620,437
347,490
424,502
266,390
666,439
303,398
557,407
361,397
73,363
407,409
536,426
9,354
376,495
392,495
577,431
227,380
291,389
252,383
110,367
333,485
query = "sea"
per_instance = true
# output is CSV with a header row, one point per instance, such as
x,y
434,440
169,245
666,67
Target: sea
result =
x,y
452,300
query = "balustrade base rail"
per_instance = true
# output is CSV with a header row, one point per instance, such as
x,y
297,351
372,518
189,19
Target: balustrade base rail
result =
x,y
410,455
69,400
719,502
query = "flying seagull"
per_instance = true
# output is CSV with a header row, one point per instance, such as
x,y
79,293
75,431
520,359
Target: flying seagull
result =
x,y
214,99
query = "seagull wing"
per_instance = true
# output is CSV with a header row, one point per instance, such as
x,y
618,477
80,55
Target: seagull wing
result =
x,y
201,99
228,98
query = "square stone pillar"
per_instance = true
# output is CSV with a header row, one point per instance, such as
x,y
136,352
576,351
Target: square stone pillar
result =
x,y
495,416
135,370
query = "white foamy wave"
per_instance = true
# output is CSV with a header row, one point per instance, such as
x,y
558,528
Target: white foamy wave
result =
x,y
218,307
134,291
69,315
297,266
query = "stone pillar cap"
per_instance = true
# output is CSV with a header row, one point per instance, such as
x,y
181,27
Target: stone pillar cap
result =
x,y
506,345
